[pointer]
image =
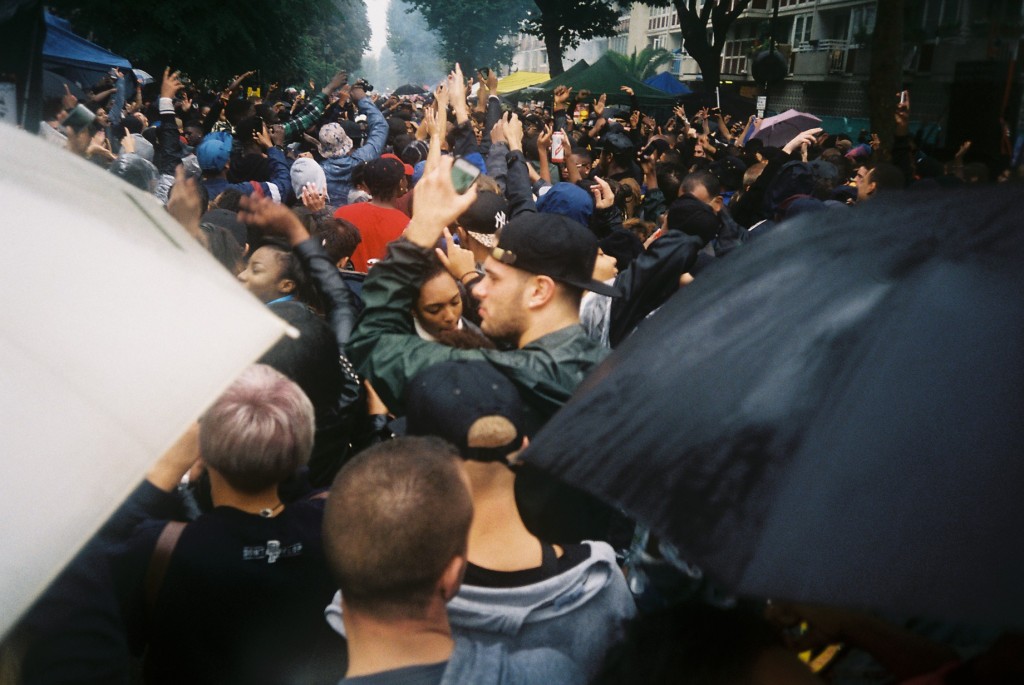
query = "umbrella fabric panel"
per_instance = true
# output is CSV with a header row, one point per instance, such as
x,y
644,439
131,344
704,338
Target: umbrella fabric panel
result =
x,y
668,83
118,330
906,499
699,422
778,130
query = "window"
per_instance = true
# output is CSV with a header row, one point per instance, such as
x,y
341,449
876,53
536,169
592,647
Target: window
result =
x,y
801,29
862,24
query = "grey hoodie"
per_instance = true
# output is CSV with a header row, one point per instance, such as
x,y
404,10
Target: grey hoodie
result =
x,y
580,612
476,664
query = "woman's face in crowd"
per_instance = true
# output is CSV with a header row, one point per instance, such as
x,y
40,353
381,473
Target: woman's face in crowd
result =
x,y
604,267
263,276
102,118
439,306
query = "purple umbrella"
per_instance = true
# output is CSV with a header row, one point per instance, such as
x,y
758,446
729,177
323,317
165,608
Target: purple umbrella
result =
x,y
778,130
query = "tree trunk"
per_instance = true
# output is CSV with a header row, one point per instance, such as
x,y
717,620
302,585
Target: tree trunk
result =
x,y
886,76
553,45
710,62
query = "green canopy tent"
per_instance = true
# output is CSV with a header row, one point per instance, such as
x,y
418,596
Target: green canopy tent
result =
x,y
605,76
538,90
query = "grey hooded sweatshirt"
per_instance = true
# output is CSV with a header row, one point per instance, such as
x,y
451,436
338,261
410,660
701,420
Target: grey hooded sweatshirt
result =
x,y
476,664
580,612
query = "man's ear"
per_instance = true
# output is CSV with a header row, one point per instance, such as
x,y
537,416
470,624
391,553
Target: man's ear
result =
x,y
540,290
343,262
451,579
286,285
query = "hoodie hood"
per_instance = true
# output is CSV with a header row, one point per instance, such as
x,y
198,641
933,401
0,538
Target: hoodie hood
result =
x,y
506,611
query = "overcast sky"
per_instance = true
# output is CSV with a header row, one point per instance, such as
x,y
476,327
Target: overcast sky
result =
x,y
378,11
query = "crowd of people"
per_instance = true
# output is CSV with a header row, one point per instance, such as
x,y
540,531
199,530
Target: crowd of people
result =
x,y
353,508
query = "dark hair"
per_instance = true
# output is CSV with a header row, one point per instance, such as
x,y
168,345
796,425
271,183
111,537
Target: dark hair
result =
x,y
338,237
706,179
887,176
396,516
250,167
229,199
223,246
238,109
670,177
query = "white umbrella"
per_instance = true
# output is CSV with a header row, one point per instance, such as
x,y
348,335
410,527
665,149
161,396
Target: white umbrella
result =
x,y
118,329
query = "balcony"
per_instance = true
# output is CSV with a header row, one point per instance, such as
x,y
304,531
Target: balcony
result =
x,y
818,59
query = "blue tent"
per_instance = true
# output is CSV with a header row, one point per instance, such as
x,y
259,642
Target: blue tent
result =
x,y
74,57
668,83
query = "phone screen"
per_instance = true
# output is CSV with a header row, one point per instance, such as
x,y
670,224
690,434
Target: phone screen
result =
x,y
463,175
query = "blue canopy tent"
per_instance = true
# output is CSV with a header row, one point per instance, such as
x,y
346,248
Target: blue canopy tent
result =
x,y
74,58
668,83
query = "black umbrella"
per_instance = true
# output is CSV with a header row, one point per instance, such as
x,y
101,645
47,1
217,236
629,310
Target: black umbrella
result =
x,y
834,414
410,89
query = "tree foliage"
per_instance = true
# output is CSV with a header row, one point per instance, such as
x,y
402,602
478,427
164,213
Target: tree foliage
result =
x,y
414,46
694,22
286,40
563,24
644,64
475,33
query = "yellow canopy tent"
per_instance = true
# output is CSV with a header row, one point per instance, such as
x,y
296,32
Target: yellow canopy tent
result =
x,y
521,79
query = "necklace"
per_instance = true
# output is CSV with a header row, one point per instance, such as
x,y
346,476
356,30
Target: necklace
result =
x,y
268,512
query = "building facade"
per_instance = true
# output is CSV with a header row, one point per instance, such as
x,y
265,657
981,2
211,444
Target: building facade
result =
x,y
951,47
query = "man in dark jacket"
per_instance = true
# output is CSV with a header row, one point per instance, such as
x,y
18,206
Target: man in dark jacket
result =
x,y
529,297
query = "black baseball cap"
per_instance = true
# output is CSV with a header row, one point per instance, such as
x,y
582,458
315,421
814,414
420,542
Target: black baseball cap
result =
x,y
471,405
552,245
485,217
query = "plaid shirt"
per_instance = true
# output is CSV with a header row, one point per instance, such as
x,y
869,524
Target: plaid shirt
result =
x,y
307,116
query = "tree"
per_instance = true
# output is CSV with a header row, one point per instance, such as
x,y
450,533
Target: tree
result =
x,y
475,33
414,47
693,24
886,71
282,39
645,64
562,24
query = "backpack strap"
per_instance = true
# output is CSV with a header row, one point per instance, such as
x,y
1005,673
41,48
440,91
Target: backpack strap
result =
x,y
161,559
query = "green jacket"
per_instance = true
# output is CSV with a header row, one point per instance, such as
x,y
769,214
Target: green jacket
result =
x,y
386,350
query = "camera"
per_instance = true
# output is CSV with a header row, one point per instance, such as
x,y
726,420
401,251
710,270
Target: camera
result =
x,y
364,84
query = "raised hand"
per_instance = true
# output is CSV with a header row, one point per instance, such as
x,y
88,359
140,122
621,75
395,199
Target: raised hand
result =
x,y
312,198
238,81
436,204
68,100
498,132
263,138
800,139
171,84
603,195
599,104
627,90
271,217
514,132
184,203
336,82
459,261
562,95
544,139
